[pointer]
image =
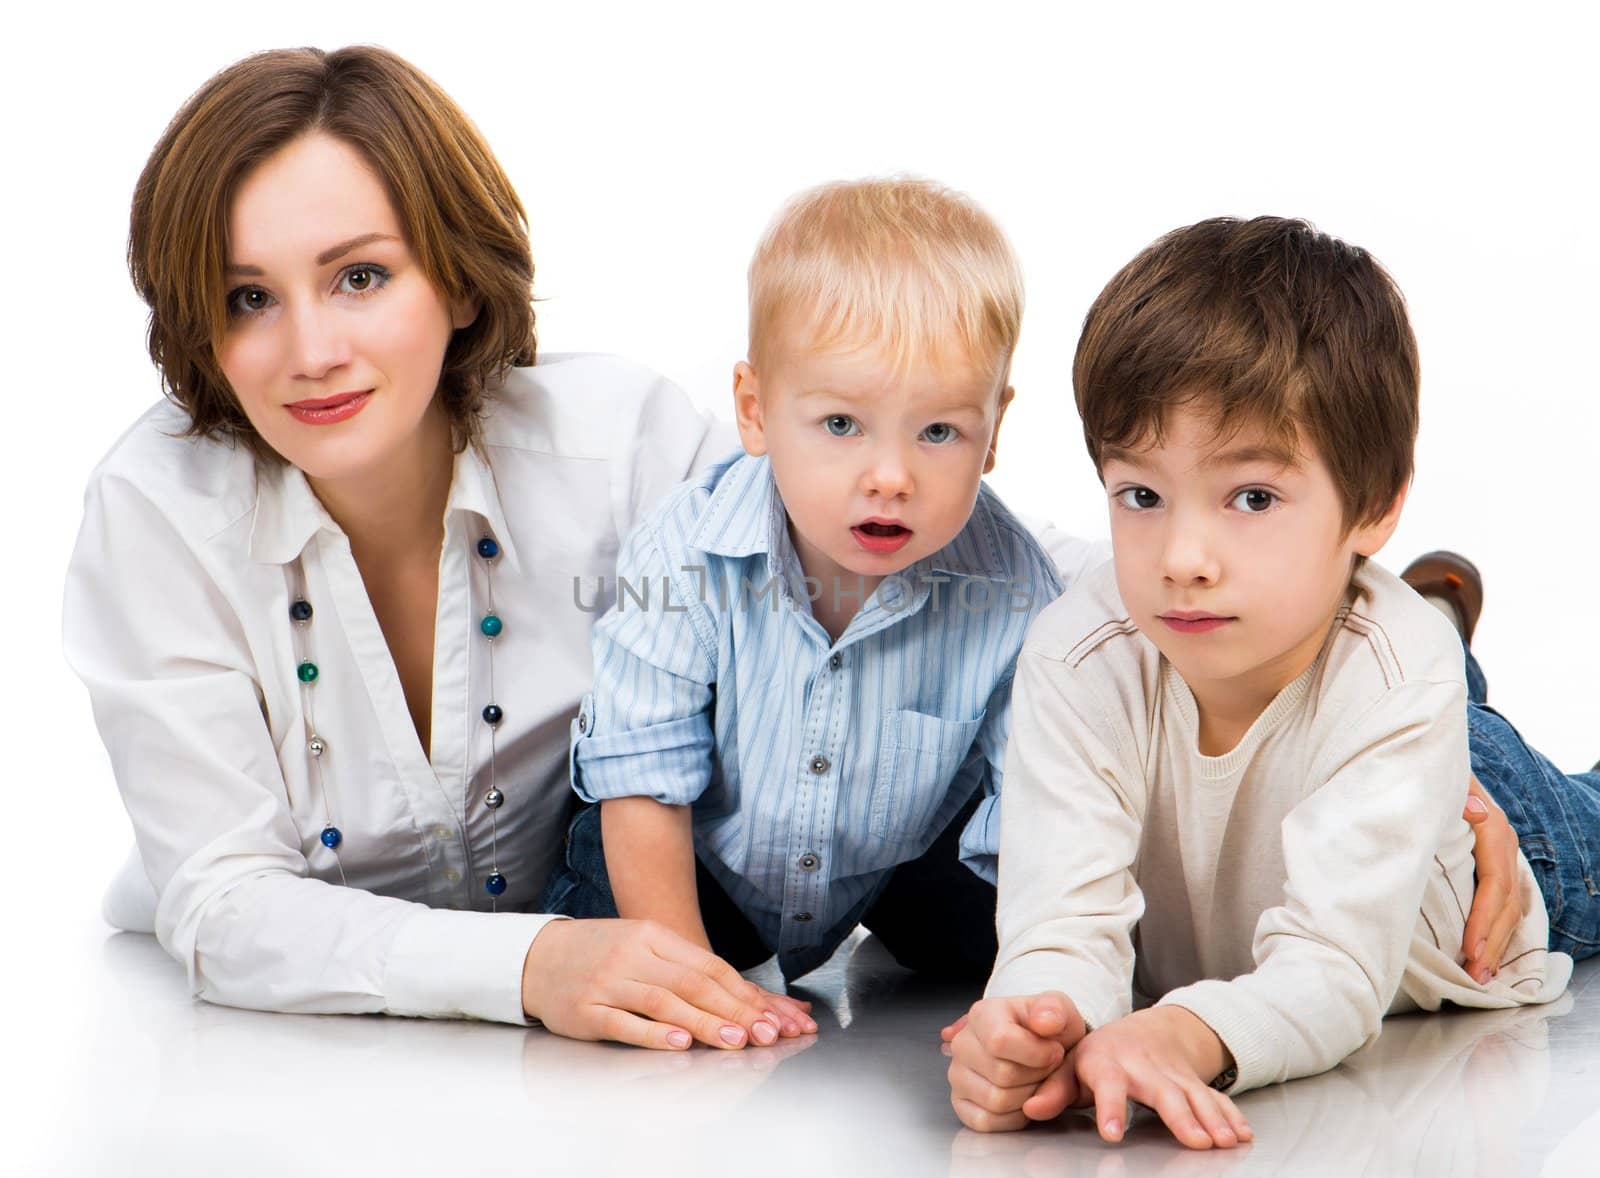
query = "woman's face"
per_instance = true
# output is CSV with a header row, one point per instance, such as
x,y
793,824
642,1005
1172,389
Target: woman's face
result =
x,y
335,336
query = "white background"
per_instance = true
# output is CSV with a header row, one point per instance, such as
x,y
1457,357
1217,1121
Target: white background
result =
x,y
651,143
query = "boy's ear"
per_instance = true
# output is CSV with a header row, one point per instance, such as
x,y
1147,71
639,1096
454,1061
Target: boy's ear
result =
x,y
1006,394
1371,537
747,409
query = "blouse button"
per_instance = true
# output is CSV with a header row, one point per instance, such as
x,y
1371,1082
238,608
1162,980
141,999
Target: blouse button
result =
x,y
819,764
809,862
835,662
802,917
452,875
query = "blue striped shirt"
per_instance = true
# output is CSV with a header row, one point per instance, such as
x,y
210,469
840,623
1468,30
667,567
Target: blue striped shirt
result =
x,y
813,767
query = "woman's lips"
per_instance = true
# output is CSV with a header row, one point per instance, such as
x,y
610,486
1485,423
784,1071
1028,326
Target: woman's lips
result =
x,y
327,410
1194,624
881,538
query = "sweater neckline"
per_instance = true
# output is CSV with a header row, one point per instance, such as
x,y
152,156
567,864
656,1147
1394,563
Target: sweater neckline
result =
x,y
1283,705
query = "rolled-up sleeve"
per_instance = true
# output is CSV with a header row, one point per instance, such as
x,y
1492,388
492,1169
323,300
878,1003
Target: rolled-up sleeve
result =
x,y
645,730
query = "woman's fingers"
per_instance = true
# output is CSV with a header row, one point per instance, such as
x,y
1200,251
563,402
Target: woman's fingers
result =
x,y
950,1032
625,1027
659,1004
753,1003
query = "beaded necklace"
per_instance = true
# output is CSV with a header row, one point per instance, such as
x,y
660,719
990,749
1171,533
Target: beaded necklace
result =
x,y
491,627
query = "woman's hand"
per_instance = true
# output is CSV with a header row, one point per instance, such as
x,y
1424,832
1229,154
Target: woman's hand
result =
x,y
637,982
1496,900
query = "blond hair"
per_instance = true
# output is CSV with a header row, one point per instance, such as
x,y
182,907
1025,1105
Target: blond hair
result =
x,y
905,263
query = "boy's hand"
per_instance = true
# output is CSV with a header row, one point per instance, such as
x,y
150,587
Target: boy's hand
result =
x,y
1496,900
1002,1050
1164,1058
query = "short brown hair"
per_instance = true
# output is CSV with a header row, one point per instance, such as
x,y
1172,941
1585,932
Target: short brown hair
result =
x,y
461,216
1265,322
908,261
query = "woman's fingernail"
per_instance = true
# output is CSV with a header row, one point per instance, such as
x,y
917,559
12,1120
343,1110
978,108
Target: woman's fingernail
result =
x,y
1478,952
764,1033
810,1026
732,1036
1475,804
679,1038
1113,1129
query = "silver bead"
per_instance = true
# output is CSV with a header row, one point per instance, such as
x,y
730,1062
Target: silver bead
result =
x,y
494,799
317,745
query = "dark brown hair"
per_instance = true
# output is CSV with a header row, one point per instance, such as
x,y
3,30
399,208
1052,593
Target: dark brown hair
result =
x,y
1267,323
461,216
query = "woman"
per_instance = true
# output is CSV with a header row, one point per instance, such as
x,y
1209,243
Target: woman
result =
x,y
324,600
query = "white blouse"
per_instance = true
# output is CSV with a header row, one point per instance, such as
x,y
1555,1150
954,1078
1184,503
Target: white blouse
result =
x,y
177,620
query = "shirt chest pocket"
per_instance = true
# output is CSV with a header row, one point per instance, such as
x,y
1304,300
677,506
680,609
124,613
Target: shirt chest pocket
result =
x,y
918,758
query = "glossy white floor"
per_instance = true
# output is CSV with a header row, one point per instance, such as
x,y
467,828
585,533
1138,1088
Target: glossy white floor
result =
x,y
142,1080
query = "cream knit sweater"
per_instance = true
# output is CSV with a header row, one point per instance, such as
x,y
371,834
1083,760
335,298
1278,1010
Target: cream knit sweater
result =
x,y
1290,892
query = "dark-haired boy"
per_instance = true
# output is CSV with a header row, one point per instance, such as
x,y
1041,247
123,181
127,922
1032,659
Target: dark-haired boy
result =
x,y
1231,780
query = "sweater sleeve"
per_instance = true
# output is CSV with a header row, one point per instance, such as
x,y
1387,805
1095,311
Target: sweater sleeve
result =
x,y
1069,835
1357,852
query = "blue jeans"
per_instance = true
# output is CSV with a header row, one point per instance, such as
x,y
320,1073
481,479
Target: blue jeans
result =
x,y
1556,817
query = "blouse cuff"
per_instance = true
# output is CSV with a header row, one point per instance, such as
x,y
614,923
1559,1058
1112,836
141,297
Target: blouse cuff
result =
x,y
446,964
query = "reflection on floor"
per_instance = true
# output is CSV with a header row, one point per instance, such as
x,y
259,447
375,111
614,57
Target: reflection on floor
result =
x,y
167,1086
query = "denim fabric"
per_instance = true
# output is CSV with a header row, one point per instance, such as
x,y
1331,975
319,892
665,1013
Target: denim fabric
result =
x,y
1556,817
933,914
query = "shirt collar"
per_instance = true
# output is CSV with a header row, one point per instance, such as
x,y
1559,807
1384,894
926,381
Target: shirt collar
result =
x,y
745,516
288,513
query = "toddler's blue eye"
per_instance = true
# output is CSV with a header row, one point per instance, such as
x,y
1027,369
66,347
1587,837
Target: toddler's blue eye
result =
x,y
840,425
939,433
1255,500
1139,498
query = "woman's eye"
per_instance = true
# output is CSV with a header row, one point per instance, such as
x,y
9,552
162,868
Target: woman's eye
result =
x,y
1139,498
839,425
1255,500
247,300
939,433
361,279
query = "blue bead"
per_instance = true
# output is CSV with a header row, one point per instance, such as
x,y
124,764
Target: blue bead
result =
x,y
495,885
300,611
331,837
492,715
487,548
491,625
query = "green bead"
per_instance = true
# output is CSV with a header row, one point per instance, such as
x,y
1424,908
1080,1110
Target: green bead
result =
x,y
491,626
307,672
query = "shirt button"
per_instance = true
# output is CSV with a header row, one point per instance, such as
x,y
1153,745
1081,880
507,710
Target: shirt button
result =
x,y
819,764
452,875
809,862
802,917
835,662
583,723
441,833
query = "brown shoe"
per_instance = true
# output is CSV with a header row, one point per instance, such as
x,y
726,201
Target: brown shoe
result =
x,y
1453,577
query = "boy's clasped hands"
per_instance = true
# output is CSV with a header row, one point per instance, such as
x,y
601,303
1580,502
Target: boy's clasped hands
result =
x,y
1030,1058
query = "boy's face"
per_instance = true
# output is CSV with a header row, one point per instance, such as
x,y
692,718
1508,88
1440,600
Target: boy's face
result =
x,y
1230,560
877,467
